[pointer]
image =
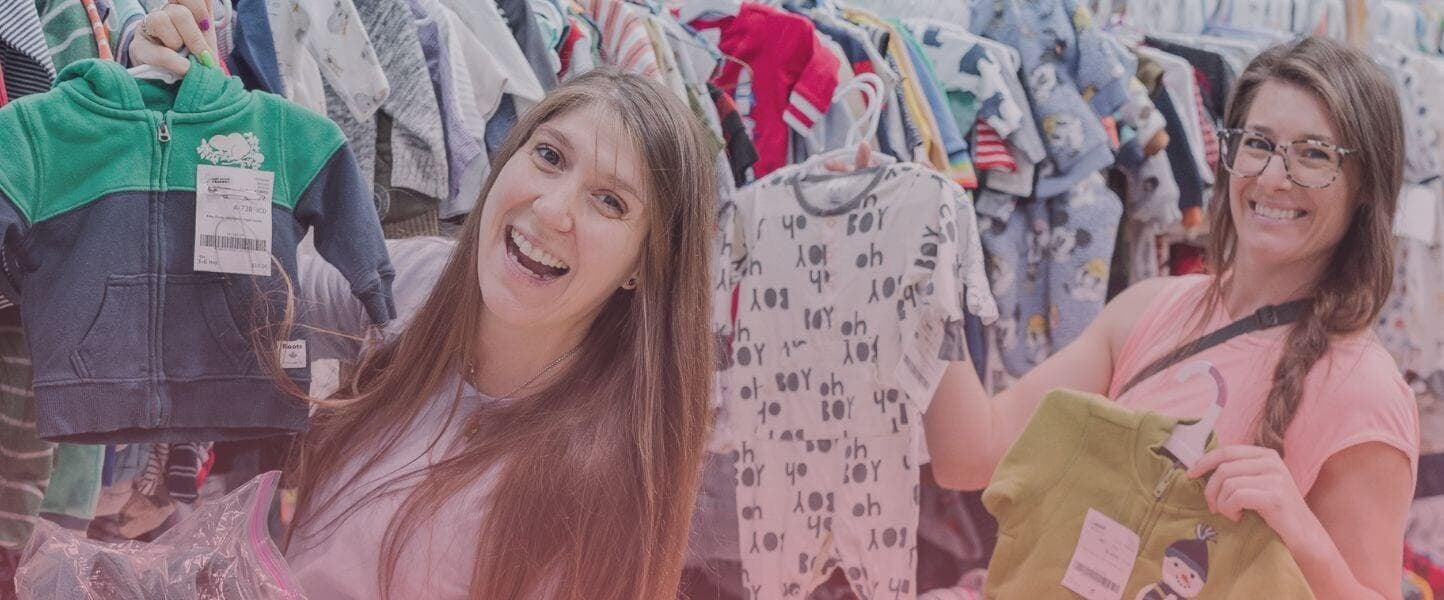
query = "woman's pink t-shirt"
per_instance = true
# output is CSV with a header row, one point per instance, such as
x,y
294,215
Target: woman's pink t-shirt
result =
x,y
1353,395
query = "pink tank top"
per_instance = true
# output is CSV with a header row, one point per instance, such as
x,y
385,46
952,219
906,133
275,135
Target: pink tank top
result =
x,y
1353,395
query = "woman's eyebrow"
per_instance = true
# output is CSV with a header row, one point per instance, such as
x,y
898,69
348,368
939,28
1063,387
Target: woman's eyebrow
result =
x,y
621,185
556,134
1322,137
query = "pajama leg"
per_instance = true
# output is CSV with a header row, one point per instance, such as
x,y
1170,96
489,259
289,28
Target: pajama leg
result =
x,y
876,540
1035,328
787,507
1084,226
1016,275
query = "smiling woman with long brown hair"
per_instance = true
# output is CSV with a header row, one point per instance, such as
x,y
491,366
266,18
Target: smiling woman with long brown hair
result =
x,y
536,428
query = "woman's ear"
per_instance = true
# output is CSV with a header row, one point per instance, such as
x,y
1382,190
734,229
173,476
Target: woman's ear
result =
x,y
631,283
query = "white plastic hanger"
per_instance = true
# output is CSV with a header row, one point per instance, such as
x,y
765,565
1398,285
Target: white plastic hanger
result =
x,y
864,128
1187,442
151,72
692,9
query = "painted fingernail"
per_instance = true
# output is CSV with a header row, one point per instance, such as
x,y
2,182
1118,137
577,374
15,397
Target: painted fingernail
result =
x,y
205,24
207,59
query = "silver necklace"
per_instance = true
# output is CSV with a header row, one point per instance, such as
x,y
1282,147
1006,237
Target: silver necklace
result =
x,y
471,373
474,423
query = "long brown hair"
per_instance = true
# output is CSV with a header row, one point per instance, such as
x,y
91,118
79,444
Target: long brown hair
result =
x,y
594,477
1360,99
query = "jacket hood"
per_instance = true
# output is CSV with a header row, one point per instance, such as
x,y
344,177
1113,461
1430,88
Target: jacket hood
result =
x,y
107,87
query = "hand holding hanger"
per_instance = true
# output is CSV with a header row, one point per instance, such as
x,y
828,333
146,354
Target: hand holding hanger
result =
x,y
162,34
862,160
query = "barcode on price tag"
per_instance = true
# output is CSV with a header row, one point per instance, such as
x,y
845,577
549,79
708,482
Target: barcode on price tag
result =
x,y
225,242
1103,559
233,220
1099,578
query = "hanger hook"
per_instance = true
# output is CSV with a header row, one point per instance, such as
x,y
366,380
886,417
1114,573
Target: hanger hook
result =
x,y
872,88
1200,368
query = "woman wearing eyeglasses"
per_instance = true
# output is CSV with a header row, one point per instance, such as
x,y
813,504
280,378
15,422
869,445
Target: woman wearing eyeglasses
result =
x,y
1319,435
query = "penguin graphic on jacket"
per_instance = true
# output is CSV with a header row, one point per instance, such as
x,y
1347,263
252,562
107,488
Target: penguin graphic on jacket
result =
x,y
1185,568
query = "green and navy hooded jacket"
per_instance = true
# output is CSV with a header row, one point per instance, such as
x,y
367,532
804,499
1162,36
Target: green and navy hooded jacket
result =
x,y
97,221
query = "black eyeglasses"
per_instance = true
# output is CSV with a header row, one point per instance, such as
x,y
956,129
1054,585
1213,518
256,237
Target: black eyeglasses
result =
x,y
1308,163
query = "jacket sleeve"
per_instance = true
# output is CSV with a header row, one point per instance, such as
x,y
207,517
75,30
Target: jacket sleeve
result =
x,y
338,204
18,177
338,321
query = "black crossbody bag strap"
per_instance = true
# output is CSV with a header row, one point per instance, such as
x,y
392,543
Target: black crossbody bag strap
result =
x,y
1267,317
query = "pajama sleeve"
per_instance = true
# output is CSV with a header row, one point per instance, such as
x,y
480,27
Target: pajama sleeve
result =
x,y
999,108
930,305
730,251
978,294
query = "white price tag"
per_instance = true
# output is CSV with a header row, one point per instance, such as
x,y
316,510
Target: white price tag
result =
x,y
293,354
1103,559
1417,213
233,220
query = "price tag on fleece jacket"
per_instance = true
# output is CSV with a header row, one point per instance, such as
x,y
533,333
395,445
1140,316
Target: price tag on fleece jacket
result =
x,y
233,220
293,354
1103,559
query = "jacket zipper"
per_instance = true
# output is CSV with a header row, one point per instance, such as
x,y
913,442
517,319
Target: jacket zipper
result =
x,y
1165,483
157,313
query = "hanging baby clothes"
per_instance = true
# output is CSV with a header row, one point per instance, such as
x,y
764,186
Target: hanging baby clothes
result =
x,y
1025,144
313,40
1418,97
69,32
1152,205
26,469
1062,65
552,25
990,152
254,54
925,140
970,75
741,154
624,37
792,75
494,30
468,85
866,57
1143,127
1050,256
1409,325
28,67
1069,482
853,289
959,163
163,349
417,158
1182,85
521,20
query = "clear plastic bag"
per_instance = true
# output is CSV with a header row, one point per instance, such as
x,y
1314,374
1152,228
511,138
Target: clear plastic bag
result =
x,y
222,551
